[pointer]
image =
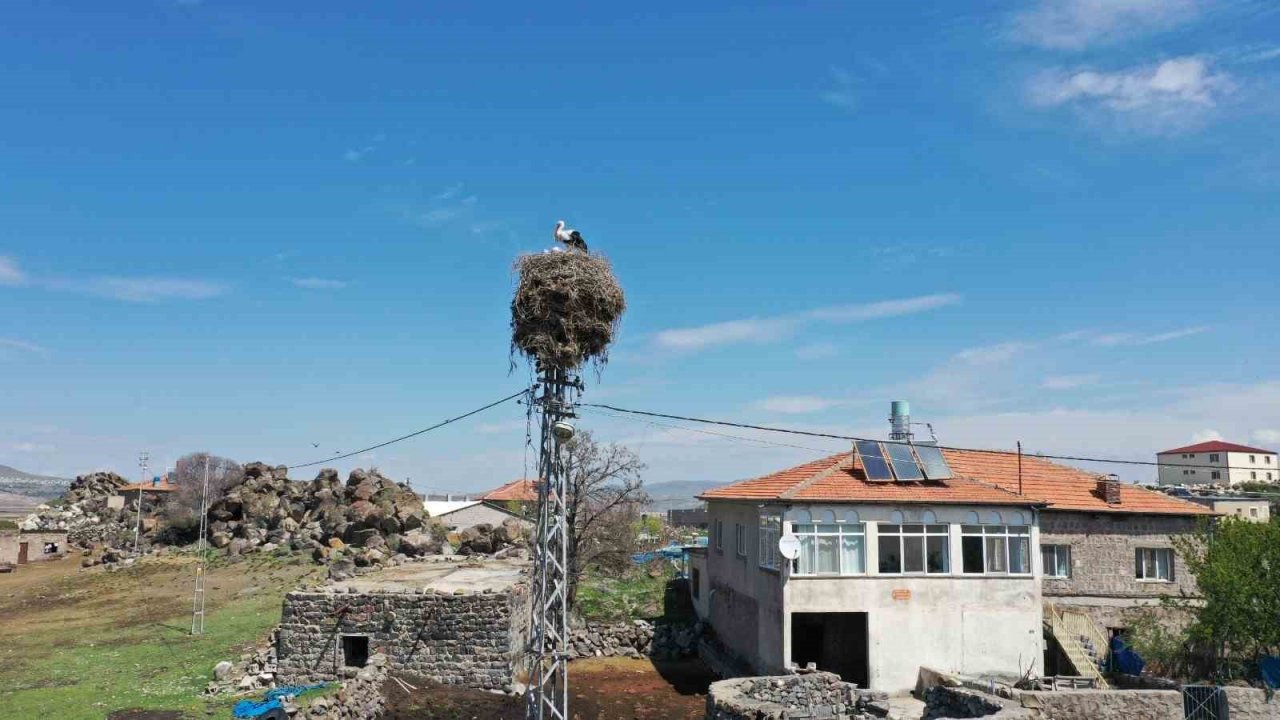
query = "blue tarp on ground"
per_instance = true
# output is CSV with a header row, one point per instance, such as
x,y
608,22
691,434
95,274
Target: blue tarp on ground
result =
x,y
1269,669
1124,659
272,701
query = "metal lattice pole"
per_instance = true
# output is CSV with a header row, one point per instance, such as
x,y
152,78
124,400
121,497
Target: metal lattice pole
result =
x,y
197,602
548,696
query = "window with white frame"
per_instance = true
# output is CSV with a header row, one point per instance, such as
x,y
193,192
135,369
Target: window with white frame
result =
x,y
770,531
1213,457
1056,560
830,549
720,535
996,549
740,538
909,549
1215,475
1155,564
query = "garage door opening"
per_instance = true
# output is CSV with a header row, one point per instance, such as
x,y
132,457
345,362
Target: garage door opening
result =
x,y
835,642
355,650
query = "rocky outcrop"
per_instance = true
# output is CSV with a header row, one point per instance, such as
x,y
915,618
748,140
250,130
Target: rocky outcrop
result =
x,y
813,695
83,513
361,522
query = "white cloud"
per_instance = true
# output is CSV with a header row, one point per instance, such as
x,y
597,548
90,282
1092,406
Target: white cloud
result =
x,y
997,354
21,345
1205,435
1077,24
751,330
771,329
1069,382
145,289
885,308
1171,96
817,351
443,208
1257,55
1138,339
842,93
315,283
796,404
10,273
1266,436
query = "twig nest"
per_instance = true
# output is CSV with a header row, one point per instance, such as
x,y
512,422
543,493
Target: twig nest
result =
x,y
566,309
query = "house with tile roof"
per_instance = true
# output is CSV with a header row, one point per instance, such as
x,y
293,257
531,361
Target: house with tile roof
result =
x,y
1217,463
949,572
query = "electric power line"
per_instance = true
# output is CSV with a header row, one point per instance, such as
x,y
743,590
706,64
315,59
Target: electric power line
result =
x,y
416,433
754,441
852,438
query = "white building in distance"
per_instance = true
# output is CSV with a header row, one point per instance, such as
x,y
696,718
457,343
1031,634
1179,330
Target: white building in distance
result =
x,y
1217,463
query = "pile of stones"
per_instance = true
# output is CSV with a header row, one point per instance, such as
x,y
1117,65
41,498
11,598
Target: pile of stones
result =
x,y
84,514
255,671
636,639
817,695
364,521
361,696
486,539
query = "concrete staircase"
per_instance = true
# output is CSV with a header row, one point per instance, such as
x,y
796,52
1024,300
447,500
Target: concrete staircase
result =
x,y
1083,642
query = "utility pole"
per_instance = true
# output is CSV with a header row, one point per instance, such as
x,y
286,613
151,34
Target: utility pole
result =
x,y
143,459
197,602
548,696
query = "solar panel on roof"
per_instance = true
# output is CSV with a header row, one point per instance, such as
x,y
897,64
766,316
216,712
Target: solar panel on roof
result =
x,y
932,462
873,461
904,463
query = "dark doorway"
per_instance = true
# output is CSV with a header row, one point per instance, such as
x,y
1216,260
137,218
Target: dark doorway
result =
x,y
835,642
22,553
355,650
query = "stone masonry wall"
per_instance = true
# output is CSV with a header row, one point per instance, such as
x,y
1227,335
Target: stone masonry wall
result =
x,y
820,696
1103,548
466,639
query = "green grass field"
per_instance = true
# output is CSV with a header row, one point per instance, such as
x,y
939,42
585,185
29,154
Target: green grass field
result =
x,y
82,644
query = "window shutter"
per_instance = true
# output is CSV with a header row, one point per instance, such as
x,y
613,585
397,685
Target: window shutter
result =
x,y
1137,563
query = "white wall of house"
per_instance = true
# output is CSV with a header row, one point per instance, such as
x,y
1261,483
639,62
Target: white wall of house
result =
x,y
1218,468
971,625
953,621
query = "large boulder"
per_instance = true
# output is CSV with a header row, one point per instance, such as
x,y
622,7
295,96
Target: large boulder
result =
x,y
417,544
477,540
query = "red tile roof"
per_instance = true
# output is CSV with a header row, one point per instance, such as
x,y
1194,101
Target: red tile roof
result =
x,y
981,478
522,490
163,487
1216,446
840,479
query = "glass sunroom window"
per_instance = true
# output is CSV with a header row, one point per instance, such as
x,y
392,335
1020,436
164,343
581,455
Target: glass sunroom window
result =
x,y
996,549
830,549
908,549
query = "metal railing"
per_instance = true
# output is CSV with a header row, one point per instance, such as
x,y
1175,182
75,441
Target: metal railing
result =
x,y
1084,643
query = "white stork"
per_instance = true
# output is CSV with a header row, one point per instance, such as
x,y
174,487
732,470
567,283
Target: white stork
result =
x,y
570,237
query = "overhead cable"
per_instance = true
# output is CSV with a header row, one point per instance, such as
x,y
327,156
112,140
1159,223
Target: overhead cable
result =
x,y
852,438
416,433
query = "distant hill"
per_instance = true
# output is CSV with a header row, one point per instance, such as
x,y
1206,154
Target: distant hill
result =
x,y
42,487
677,495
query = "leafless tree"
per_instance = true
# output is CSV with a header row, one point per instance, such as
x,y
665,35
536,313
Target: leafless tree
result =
x,y
188,478
605,498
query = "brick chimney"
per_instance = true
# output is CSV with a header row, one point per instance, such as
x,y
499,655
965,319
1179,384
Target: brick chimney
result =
x,y
1109,489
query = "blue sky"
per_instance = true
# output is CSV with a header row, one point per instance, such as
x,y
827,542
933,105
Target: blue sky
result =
x,y
251,228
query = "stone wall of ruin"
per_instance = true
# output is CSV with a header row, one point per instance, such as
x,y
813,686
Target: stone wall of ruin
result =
x,y
461,638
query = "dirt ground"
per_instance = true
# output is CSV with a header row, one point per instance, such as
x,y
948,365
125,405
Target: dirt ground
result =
x,y
599,688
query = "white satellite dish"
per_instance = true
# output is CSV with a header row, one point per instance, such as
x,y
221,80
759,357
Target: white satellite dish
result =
x,y
789,546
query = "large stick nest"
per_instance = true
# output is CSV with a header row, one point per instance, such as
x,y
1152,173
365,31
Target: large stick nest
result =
x,y
566,309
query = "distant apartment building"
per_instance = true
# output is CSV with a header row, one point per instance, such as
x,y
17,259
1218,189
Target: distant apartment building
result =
x,y
1255,509
1217,463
